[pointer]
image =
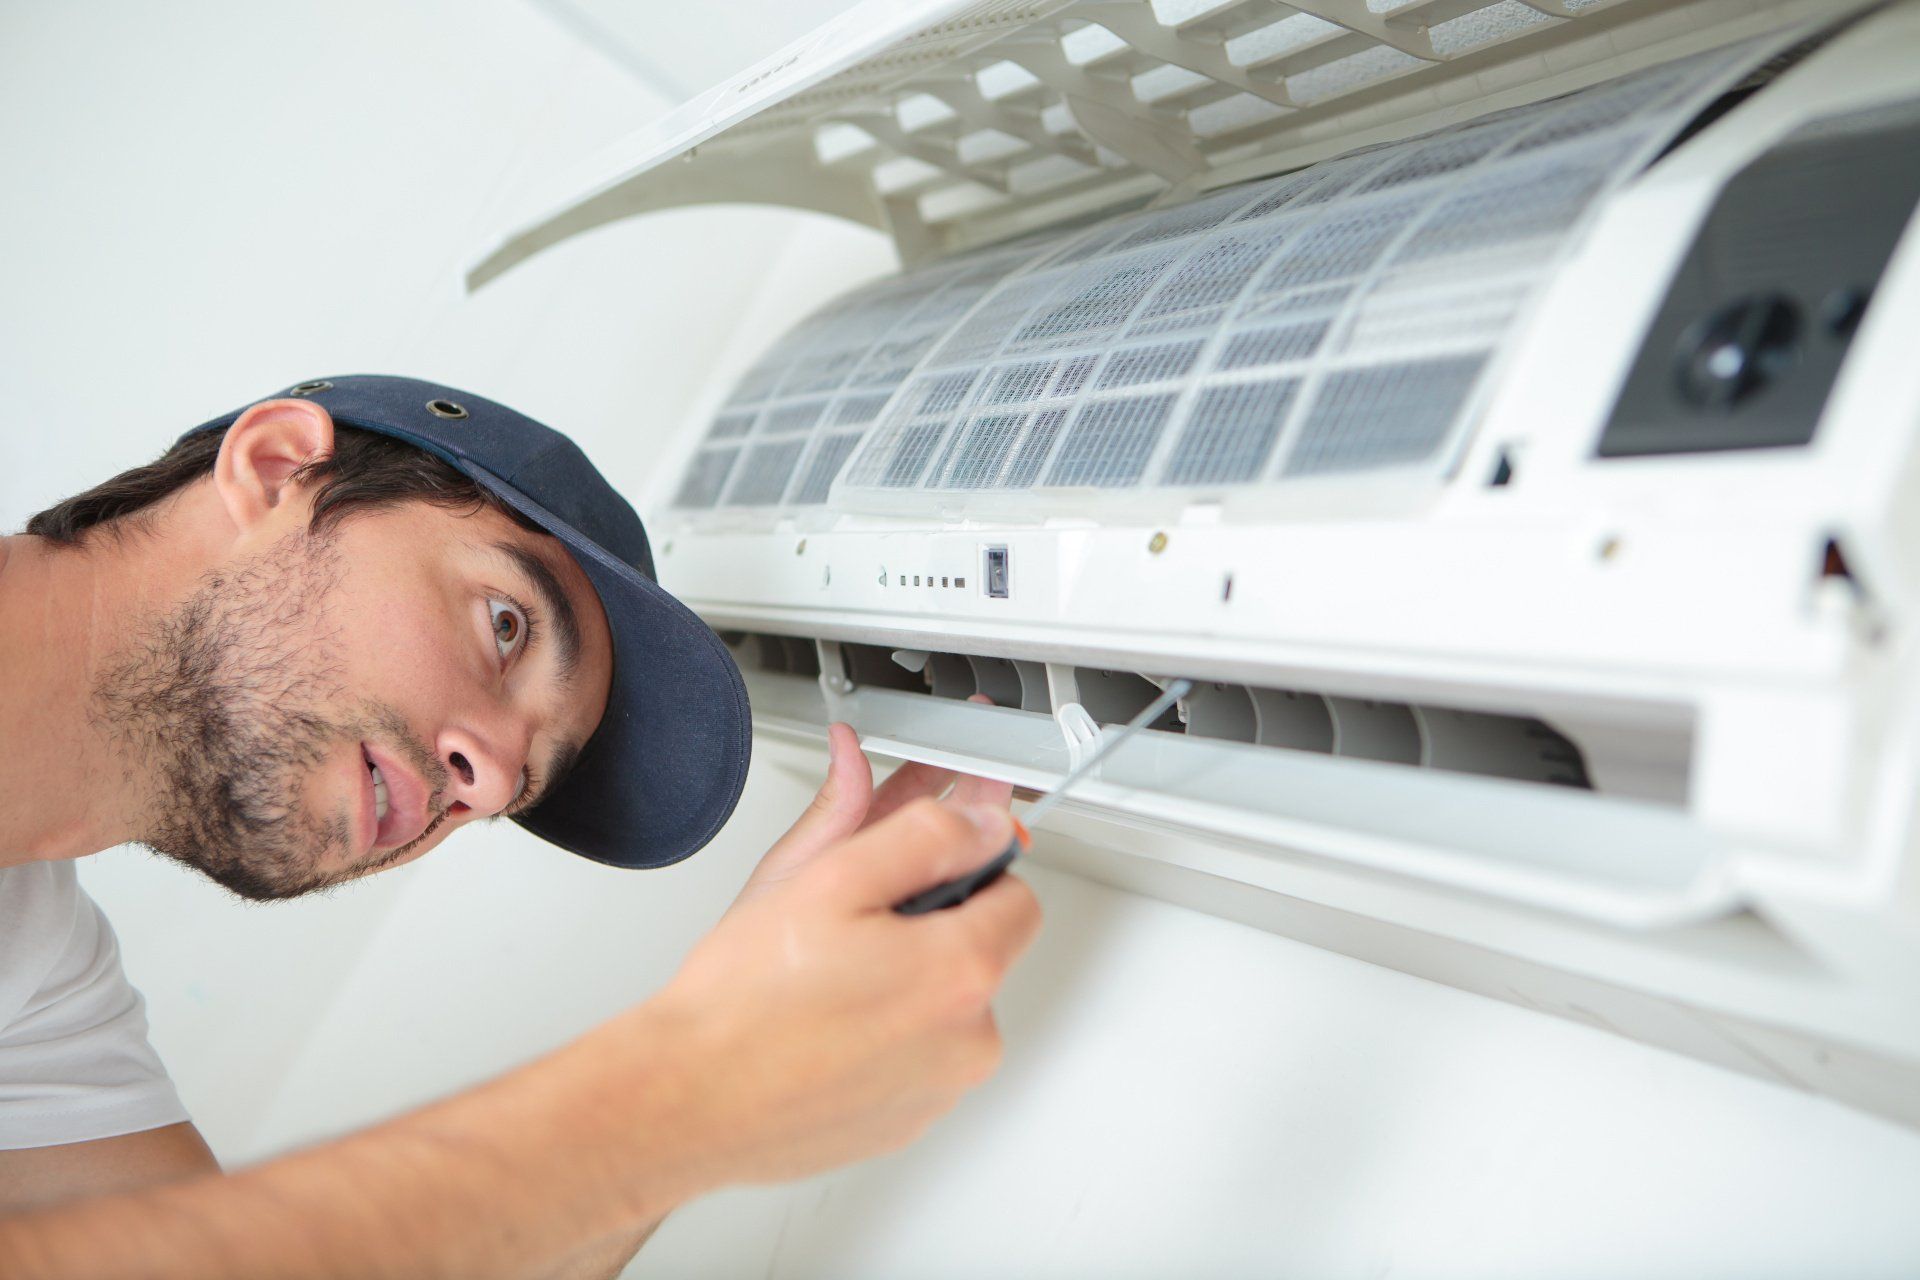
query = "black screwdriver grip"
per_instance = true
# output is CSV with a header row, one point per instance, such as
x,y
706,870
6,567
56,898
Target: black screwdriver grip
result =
x,y
951,893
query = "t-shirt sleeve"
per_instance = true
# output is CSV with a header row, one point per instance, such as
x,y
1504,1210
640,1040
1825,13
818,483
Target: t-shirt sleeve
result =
x,y
75,1062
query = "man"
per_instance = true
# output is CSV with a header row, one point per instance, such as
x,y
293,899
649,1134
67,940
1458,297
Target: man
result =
x,y
314,639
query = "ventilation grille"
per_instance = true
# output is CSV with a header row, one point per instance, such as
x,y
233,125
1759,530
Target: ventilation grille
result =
x,y
1334,320
1491,745
1009,104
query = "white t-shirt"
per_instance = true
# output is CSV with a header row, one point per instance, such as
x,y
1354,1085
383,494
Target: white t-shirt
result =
x,y
74,1059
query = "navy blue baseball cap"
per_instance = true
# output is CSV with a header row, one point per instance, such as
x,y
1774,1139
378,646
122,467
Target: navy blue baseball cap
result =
x,y
662,773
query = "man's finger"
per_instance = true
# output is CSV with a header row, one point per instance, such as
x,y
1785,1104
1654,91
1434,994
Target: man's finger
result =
x,y
1002,919
969,790
844,798
836,812
924,844
910,782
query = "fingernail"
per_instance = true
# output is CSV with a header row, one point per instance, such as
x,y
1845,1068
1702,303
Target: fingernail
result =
x,y
991,819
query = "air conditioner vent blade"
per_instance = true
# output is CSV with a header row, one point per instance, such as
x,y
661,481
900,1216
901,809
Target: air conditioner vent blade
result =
x,y
954,124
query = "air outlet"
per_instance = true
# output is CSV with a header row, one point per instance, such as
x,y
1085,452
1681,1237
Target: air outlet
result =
x,y
1449,739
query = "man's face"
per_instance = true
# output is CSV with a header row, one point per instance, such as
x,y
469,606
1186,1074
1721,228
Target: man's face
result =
x,y
323,707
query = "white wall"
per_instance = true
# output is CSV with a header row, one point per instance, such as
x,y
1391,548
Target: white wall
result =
x,y
208,201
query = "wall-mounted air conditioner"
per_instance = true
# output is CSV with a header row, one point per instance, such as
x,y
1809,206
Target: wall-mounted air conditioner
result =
x,y
1504,413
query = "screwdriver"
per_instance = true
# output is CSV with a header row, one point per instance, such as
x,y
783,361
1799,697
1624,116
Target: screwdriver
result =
x,y
952,893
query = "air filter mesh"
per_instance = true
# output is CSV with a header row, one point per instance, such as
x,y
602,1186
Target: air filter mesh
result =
x,y
1334,320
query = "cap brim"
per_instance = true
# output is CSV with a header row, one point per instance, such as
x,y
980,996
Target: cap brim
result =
x,y
662,773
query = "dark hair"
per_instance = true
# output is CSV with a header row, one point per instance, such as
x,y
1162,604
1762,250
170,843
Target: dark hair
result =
x,y
366,471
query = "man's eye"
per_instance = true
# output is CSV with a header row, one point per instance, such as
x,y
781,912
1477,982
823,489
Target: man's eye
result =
x,y
509,627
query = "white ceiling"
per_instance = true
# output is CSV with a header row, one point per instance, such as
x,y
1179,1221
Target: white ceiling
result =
x,y
679,48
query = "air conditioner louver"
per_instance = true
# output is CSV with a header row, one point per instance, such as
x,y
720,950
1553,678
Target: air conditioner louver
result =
x,y
1494,745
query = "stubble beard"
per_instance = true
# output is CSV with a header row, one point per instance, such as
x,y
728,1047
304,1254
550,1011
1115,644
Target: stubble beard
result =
x,y
222,705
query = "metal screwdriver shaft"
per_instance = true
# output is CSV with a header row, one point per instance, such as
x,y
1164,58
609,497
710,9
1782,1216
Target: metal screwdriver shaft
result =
x,y
953,892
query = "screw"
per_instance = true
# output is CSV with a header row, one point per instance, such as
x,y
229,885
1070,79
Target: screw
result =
x,y
1157,543
801,548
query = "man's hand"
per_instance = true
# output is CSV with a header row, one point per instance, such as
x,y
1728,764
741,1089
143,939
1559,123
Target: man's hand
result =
x,y
830,1027
848,802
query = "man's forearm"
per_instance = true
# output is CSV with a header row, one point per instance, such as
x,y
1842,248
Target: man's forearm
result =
x,y
814,1026
603,1259
508,1180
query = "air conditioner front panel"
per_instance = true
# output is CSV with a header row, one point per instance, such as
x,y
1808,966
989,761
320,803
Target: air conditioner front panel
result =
x,y
955,124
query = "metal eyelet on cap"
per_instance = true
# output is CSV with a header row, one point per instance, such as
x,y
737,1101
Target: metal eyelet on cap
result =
x,y
445,409
308,388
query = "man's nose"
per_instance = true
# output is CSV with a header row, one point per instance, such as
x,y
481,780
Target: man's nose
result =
x,y
484,766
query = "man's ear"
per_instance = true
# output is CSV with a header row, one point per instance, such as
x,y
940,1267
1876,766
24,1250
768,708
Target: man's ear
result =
x,y
262,448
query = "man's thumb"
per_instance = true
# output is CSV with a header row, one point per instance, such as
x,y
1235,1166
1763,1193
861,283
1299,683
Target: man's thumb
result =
x,y
839,807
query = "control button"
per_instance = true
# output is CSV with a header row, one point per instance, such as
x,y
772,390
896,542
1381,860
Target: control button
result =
x,y
996,572
1739,349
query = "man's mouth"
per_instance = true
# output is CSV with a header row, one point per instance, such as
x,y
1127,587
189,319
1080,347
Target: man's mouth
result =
x,y
380,802
400,804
